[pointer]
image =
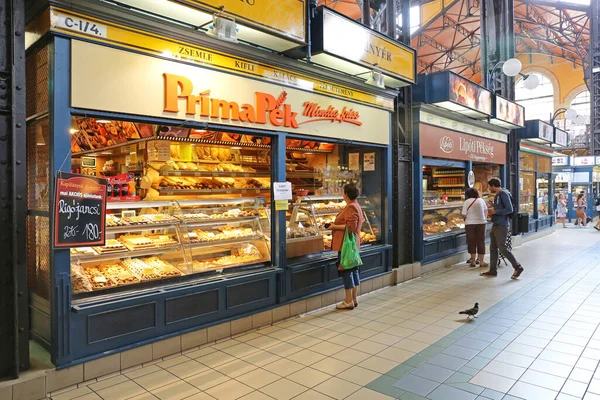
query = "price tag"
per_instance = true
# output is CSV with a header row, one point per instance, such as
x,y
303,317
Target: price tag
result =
x,y
281,205
282,190
163,150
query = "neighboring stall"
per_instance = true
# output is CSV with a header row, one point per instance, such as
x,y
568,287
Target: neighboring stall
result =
x,y
195,146
457,148
536,196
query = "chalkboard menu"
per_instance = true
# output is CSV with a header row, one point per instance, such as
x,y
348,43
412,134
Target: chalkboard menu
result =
x,y
80,210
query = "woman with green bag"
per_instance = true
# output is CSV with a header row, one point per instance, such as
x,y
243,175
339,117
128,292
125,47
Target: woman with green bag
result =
x,y
346,241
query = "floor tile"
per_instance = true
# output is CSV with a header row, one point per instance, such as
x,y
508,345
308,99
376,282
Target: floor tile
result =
x,y
235,368
574,388
229,390
447,361
528,391
503,369
399,371
187,369
337,388
460,352
283,389
366,346
551,368
494,382
283,367
364,393
542,379
215,359
207,379
385,384
492,394
258,378
121,391
416,385
155,380
433,372
395,354
352,356
378,364
306,357
256,395
261,358
312,395
444,392
472,343
515,359
175,391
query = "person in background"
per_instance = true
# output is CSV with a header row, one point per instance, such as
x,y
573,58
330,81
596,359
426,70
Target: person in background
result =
x,y
475,211
561,209
597,204
501,211
351,218
581,206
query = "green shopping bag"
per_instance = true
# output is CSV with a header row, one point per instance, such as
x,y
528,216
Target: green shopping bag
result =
x,y
350,256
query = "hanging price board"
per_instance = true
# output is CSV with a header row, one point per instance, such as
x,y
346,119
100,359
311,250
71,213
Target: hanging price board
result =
x,y
79,210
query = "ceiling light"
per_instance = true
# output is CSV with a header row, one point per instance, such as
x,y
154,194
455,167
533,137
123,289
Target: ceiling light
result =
x,y
376,78
571,114
511,67
531,82
72,131
223,28
103,121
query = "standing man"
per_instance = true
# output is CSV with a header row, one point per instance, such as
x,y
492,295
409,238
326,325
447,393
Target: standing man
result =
x,y
501,212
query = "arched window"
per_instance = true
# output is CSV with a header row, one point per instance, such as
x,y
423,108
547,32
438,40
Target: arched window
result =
x,y
581,103
539,102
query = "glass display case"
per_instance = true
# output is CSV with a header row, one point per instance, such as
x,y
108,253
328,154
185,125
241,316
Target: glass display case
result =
x,y
441,216
156,240
527,192
306,233
542,196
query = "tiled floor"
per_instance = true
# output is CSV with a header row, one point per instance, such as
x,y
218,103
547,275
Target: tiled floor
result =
x,y
534,338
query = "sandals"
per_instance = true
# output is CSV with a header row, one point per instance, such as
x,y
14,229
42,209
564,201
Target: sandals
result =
x,y
345,306
355,303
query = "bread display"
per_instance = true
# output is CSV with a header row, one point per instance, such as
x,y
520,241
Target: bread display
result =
x,y
136,242
292,233
83,251
151,268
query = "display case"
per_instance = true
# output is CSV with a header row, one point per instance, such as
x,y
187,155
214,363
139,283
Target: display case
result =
x,y
150,241
527,193
307,216
440,216
543,192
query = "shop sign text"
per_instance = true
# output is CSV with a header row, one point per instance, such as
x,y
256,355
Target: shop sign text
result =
x,y
266,109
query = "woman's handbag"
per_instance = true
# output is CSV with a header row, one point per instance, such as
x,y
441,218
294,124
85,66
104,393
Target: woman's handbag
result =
x,y
350,255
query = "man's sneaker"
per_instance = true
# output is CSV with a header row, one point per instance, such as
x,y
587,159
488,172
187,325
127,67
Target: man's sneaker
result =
x,y
489,273
518,272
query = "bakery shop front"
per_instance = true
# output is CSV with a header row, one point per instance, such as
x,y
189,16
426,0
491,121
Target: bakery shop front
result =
x,y
450,161
460,140
221,173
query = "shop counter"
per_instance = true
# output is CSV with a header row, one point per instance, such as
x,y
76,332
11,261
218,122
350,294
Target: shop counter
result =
x,y
114,323
310,275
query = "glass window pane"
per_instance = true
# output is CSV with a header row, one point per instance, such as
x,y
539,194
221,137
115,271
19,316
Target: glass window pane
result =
x,y
539,102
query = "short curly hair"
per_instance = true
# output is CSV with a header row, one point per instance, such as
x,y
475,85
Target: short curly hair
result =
x,y
351,191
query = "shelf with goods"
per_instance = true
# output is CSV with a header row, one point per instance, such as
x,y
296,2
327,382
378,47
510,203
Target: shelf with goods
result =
x,y
148,241
439,216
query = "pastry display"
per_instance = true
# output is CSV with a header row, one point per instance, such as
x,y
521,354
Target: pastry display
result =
x,y
83,251
110,246
151,268
135,242
292,233
118,274
113,220
162,240
330,206
223,233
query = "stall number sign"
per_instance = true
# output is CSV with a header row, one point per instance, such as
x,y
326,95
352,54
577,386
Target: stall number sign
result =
x,y
79,210
78,24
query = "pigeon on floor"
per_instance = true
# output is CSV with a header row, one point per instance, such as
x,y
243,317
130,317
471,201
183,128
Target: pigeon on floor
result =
x,y
471,312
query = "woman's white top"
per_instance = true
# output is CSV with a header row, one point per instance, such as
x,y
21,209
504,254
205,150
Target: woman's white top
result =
x,y
477,214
